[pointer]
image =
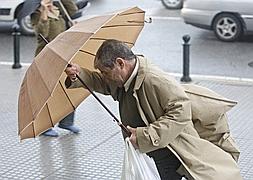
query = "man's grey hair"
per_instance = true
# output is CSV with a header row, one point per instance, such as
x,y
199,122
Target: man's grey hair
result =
x,y
109,51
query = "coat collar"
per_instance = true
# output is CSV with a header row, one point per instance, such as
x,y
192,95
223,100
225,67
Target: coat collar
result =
x,y
141,71
132,76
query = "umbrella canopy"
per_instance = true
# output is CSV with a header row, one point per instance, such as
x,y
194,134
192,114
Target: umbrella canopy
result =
x,y
28,8
43,98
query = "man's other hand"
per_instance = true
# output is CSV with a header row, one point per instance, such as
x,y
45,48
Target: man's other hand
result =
x,y
72,71
133,138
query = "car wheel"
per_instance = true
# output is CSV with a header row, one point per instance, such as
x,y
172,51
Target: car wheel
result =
x,y
172,4
227,27
26,26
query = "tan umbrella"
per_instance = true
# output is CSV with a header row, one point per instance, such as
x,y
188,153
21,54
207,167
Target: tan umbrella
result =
x,y
43,98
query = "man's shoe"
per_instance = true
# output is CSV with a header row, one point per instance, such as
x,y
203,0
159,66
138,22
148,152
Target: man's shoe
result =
x,y
71,128
51,133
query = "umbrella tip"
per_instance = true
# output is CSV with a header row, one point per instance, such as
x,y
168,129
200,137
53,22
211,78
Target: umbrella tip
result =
x,y
149,20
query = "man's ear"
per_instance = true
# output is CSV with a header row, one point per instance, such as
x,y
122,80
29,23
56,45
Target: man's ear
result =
x,y
120,62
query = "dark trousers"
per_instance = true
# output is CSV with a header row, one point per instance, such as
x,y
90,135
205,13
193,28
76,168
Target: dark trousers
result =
x,y
68,120
166,163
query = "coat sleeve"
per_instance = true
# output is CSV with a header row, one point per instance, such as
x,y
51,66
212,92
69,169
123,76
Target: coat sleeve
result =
x,y
170,98
95,82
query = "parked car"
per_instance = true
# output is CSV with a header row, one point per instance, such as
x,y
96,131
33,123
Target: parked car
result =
x,y
9,11
229,19
172,4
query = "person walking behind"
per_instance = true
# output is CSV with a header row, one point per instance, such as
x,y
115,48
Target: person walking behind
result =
x,y
48,21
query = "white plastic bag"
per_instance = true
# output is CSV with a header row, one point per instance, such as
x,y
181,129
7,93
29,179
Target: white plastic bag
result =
x,y
138,166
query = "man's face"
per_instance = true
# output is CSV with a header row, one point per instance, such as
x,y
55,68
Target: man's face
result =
x,y
113,75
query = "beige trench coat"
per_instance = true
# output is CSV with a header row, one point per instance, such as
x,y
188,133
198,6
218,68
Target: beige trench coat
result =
x,y
166,110
210,119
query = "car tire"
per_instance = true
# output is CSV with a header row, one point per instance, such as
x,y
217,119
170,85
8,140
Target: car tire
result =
x,y
227,27
26,26
172,4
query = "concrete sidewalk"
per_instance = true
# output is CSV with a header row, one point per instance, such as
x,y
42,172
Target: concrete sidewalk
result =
x,y
97,152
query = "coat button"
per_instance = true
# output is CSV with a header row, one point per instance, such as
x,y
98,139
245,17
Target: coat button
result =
x,y
156,141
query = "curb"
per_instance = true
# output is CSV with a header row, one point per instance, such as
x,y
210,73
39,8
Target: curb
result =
x,y
227,79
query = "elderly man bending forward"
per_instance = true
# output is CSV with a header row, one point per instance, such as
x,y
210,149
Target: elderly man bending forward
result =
x,y
157,111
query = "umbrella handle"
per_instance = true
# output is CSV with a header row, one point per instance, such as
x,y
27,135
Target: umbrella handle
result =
x,y
123,127
43,38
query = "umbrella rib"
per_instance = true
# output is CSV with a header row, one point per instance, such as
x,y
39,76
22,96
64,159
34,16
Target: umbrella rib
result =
x,y
126,25
87,52
80,50
103,39
33,129
50,117
126,14
26,127
67,96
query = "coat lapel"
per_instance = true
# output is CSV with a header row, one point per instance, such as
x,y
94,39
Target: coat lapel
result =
x,y
139,79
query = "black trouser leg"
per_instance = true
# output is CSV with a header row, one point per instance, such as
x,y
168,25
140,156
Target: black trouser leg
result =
x,y
68,120
166,163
